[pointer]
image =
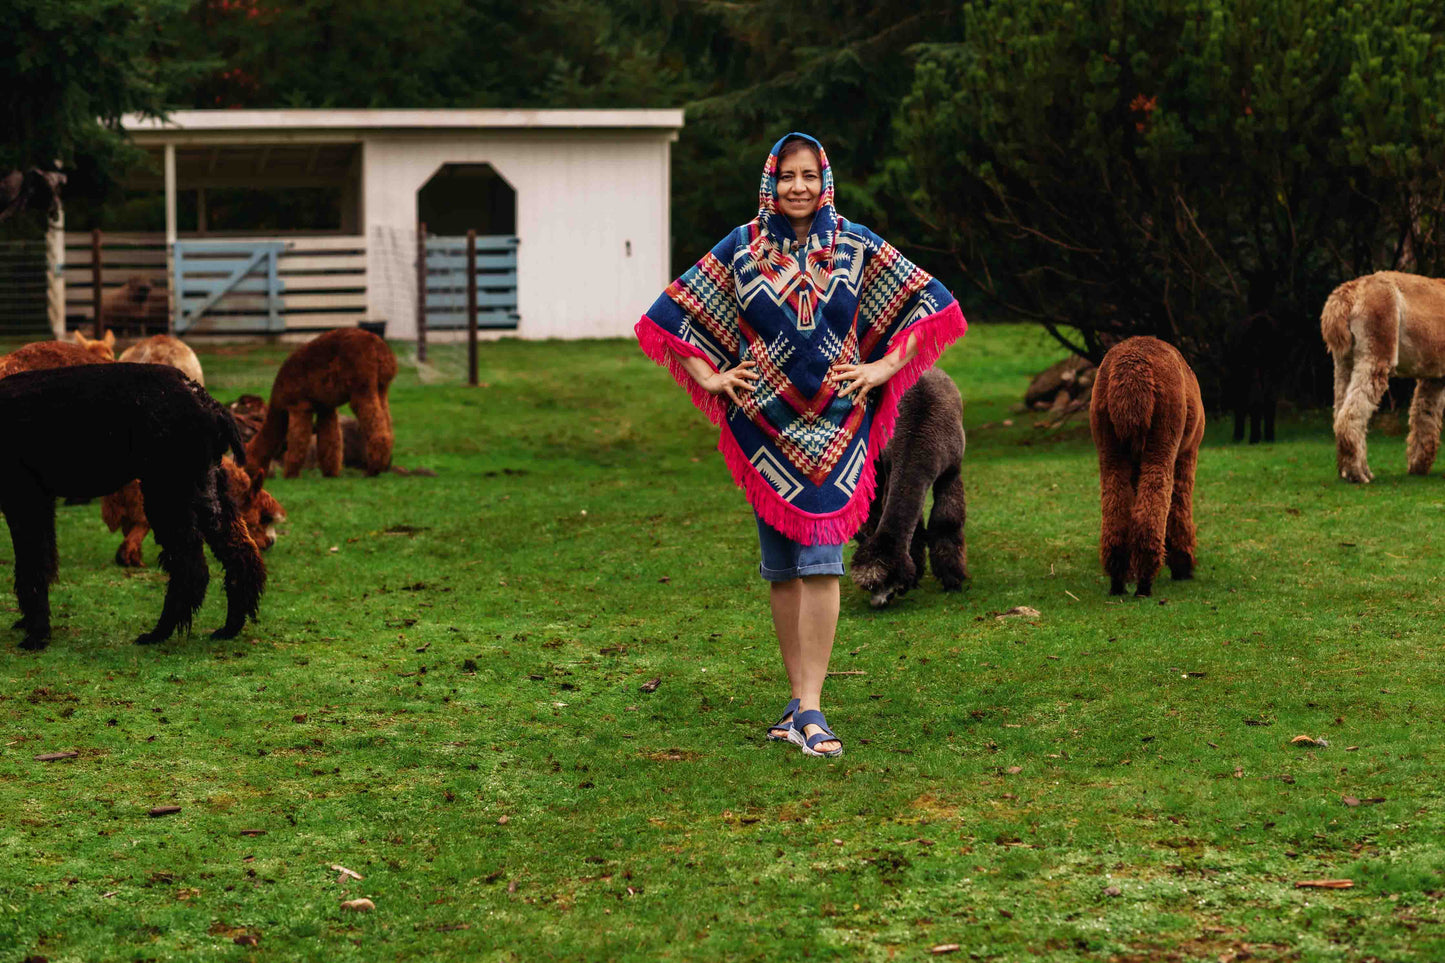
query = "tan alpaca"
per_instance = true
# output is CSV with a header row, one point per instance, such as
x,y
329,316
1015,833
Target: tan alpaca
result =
x,y
1147,420
1376,326
165,349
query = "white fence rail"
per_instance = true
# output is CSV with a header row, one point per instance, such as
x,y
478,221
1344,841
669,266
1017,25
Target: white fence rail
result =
x,y
323,284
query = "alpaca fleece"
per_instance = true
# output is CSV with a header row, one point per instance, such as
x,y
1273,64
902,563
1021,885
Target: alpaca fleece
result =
x,y
164,349
347,366
54,354
140,304
926,452
160,428
124,511
1376,326
1147,420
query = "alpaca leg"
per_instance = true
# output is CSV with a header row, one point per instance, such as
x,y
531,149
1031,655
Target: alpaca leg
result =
x,y
1149,517
374,418
172,511
1179,539
918,554
328,441
884,563
384,393
129,553
31,517
263,449
1116,496
225,532
1425,412
946,547
1344,368
1362,395
298,438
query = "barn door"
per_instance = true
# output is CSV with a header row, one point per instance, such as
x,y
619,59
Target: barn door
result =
x,y
234,281
446,288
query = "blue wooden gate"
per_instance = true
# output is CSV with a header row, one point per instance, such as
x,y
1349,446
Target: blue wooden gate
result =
x,y
235,282
446,288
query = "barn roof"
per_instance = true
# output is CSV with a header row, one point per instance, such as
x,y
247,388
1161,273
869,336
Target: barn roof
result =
x,y
353,122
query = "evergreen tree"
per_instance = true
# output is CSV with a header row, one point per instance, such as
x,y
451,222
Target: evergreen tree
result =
x,y
1180,167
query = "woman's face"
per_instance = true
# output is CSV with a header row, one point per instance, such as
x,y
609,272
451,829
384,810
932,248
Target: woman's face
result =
x,y
800,181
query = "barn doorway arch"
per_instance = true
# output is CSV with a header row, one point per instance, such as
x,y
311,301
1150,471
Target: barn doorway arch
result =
x,y
456,199
464,197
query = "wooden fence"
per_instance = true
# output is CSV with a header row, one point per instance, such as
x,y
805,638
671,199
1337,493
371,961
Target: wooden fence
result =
x,y
322,284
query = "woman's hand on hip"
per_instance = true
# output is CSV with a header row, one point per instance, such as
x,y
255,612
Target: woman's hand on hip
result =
x,y
862,378
738,378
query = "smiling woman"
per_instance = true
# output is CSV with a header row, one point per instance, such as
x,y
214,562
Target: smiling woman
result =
x,y
781,334
800,181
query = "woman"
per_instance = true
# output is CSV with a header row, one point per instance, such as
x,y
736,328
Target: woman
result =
x,y
796,335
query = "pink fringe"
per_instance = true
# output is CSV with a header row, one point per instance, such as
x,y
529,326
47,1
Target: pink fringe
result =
x,y
665,349
933,334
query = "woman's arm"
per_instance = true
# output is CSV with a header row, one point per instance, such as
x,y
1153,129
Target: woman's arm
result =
x,y
863,378
729,382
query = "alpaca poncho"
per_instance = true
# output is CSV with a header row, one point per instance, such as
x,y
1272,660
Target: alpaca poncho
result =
x,y
803,455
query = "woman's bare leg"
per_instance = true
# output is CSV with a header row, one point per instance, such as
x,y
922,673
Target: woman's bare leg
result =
x,y
805,616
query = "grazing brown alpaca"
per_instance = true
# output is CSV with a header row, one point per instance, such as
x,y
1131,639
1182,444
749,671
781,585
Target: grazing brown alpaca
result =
x,y
55,354
124,511
926,452
1376,326
1147,420
348,366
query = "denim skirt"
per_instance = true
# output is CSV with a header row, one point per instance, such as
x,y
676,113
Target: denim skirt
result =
x,y
785,559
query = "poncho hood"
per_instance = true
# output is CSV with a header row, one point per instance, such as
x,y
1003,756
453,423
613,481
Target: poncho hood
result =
x,y
772,222
804,456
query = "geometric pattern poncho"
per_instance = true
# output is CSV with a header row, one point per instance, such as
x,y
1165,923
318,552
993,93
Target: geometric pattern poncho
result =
x,y
804,457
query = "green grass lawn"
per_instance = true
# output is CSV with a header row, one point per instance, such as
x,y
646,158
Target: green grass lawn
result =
x,y
444,695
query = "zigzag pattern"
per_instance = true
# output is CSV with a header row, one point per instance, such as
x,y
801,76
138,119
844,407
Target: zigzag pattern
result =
x,y
705,294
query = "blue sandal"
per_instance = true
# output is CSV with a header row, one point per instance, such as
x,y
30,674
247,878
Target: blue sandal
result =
x,y
786,726
813,717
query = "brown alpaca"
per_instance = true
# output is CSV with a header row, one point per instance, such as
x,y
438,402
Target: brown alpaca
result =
x,y
124,511
1147,419
140,303
926,452
347,366
1376,326
102,347
164,349
55,354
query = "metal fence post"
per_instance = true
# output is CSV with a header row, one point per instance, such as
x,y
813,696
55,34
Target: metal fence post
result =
x,y
472,307
421,283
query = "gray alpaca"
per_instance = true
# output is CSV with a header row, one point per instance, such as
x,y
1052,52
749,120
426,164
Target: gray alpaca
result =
x,y
926,452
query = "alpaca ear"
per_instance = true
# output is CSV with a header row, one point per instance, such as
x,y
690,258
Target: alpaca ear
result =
x,y
80,338
109,338
257,479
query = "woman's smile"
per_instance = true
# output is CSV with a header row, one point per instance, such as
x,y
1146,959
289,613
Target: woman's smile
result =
x,y
800,183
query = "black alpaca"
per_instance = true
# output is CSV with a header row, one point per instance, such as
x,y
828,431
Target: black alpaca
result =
x,y
85,431
926,452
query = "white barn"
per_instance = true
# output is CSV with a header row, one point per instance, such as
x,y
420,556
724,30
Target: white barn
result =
x,y
580,196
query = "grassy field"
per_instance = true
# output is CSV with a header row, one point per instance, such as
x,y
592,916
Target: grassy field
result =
x,y
444,695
